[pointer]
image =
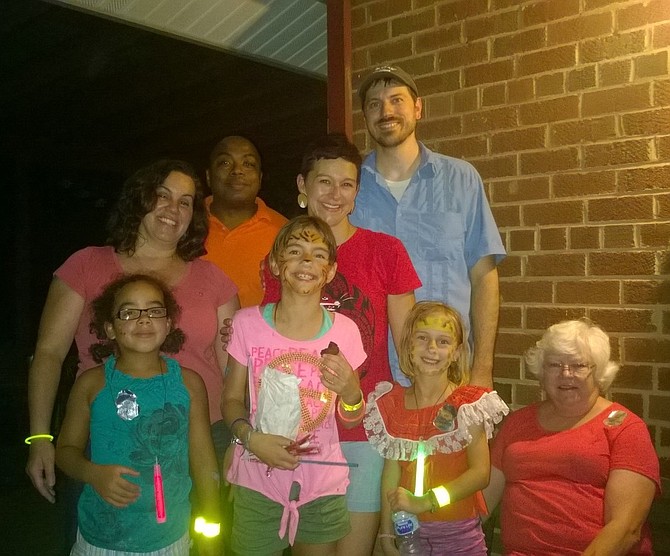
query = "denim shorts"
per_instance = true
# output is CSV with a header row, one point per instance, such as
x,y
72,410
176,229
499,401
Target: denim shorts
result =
x,y
365,481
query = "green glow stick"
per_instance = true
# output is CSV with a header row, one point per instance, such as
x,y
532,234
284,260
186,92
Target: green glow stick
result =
x,y
420,465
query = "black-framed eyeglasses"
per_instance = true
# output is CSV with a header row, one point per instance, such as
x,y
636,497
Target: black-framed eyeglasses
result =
x,y
134,314
580,370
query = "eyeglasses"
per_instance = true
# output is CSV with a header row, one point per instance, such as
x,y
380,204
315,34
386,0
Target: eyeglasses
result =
x,y
134,314
580,370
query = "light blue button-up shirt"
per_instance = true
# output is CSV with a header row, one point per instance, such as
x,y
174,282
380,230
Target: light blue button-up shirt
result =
x,y
443,219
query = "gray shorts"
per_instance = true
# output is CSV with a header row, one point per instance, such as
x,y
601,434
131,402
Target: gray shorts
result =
x,y
365,481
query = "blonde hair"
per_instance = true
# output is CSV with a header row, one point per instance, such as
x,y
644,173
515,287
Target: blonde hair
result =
x,y
459,370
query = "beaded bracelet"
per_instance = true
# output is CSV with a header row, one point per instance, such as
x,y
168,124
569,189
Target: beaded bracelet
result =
x,y
355,407
30,439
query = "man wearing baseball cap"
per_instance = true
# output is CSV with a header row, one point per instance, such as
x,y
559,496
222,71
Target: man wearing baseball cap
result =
x,y
436,206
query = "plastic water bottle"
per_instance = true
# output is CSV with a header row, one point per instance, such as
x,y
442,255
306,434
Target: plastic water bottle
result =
x,y
406,527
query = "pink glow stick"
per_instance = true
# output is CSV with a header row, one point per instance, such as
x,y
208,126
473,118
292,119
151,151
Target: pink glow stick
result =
x,y
158,493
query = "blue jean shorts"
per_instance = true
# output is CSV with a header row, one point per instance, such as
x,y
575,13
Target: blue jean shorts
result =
x,y
365,481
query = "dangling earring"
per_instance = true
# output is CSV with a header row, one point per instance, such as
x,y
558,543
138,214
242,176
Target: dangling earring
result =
x,y
302,200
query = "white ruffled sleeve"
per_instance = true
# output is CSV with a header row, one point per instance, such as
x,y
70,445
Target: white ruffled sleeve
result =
x,y
486,412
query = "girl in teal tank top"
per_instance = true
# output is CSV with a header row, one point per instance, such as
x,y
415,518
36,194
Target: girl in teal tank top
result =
x,y
147,422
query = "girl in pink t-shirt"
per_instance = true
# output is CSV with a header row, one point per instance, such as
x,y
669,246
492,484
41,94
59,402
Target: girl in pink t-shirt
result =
x,y
295,362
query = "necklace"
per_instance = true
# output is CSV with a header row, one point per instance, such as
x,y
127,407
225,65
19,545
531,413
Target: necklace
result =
x,y
423,428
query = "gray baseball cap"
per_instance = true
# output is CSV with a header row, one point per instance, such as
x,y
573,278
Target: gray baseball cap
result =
x,y
384,73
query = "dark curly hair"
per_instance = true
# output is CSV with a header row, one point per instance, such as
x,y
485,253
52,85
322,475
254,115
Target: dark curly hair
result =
x,y
138,198
102,309
330,147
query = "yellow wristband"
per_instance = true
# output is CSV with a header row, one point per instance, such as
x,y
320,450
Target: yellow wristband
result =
x,y
354,407
439,497
30,439
206,528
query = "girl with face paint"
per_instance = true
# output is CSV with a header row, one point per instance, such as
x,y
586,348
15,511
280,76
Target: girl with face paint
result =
x,y
296,361
433,436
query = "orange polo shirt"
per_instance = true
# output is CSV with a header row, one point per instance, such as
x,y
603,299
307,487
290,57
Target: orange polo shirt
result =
x,y
239,252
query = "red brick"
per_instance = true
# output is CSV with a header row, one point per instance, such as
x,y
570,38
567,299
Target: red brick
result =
x,y
549,161
513,343
654,235
664,379
613,46
506,216
619,152
564,264
659,407
645,292
642,14
439,83
504,390
633,402
588,292
642,179
661,37
493,95
617,72
581,78
516,43
527,291
576,29
435,39
510,317
507,367
622,237
387,52
556,213
640,207
553,239
651,64
650,122
372,34
580,131
624,320
411,22
661,92
444,127
541,318
528,138
510,267
496,167
584,237
560,57
465,100
520,90
583,184
388,8
490,72
485,27
418,66
549,84
549,10
621,264
463,148
358,16
616,100
663,147
456,57
460,10
521,240
551,110
520,190
437,106
526,394
637,377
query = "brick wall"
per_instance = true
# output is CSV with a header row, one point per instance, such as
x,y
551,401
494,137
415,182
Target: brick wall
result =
x,y
564,108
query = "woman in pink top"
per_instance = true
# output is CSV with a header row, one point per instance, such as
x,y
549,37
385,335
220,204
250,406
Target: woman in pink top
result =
x,y
158,227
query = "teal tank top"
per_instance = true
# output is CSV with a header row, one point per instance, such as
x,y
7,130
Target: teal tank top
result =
x,y
160,430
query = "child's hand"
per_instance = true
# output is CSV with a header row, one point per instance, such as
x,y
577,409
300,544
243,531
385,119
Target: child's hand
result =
x,y
271,450
108,482
226,333
402,499
388,546
341,378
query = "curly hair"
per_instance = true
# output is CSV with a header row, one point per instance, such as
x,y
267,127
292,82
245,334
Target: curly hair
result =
x,y
579,338
102,309
331,147
459,370
297,225
138,198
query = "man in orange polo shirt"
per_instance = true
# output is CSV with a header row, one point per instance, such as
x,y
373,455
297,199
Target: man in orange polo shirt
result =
x,y
242,227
